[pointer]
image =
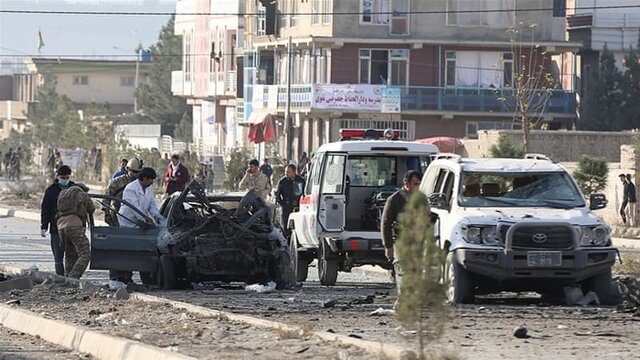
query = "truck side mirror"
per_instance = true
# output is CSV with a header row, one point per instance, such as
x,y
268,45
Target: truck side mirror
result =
x,y
439,201
597,201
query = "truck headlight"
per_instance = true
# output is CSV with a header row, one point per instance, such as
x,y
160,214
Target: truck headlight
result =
x,y
486,235
595,236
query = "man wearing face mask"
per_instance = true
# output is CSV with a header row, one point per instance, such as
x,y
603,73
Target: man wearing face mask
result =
x,y
49,209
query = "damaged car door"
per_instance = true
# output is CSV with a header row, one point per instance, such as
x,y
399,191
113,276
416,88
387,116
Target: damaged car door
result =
x,y
124,248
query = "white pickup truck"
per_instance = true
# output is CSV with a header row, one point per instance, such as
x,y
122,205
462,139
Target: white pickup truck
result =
x,y
518,225
349,181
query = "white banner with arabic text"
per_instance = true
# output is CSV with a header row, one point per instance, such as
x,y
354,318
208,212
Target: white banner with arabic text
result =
x,y
347,96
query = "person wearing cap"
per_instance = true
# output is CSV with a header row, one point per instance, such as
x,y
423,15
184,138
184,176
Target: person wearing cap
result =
x,y
48,212
116,187
176,177
122,170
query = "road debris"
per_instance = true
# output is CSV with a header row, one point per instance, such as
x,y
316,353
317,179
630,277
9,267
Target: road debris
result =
x,y
121,294
262,288
16,284
383,312
521,332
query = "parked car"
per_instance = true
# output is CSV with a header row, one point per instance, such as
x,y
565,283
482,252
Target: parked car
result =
x,y
517,224
345,192
227,237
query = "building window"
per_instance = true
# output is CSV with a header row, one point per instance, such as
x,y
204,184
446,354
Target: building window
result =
x,y
127,81
374,12
450,69
187,57
293,9
283,13
479,69
80,80
326,11
399,17
315,17
382,67
507,70
261,28
322,67
2,125
479,13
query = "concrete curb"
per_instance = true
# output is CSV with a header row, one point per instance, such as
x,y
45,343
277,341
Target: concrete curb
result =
x,y
375,347
27,215
100,345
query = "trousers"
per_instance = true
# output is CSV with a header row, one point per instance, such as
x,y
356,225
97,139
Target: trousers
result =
x,y
58,253
77,250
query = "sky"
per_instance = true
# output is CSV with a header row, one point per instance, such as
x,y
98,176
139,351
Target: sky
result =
x,y
87,35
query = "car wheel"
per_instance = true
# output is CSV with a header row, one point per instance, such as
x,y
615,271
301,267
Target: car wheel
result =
x,y
460,287
283,271
168,271
327,267
602,285
300,266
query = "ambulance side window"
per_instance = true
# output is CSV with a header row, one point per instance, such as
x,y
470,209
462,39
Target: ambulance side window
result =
x,y
314,174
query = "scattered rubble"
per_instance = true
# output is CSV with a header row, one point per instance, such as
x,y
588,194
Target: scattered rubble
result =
x,y
262,288
17,283
521,332
121,294
629,287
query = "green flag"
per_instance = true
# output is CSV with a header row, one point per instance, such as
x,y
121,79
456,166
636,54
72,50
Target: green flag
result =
x,y
40,41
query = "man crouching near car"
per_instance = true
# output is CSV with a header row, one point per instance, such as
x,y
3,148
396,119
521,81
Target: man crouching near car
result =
x,y
140,194
389,223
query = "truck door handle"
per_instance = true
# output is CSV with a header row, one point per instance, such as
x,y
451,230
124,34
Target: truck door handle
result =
x,y
101,236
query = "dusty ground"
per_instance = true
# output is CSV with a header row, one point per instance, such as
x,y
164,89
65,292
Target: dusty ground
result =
x,y
163,326
19,346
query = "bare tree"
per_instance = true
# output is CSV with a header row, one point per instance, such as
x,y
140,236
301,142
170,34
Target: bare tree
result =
x,y
531,86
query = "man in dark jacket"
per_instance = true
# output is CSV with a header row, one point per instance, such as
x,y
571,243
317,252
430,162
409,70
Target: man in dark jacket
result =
x,y
176,177
288,194
49,209
392,209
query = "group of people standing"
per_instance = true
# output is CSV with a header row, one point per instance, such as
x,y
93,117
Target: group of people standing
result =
x,y
66,207
11,161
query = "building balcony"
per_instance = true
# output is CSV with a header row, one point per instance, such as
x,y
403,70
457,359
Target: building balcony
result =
x,y
615,20
417,99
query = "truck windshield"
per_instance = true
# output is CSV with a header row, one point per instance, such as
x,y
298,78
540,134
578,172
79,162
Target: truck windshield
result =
x,y
551,189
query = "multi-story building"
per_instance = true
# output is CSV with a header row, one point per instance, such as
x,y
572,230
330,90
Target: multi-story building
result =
x,y
86,81
600,23
452,60
211,31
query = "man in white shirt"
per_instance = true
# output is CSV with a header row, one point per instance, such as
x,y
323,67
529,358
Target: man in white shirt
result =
x,y
140,194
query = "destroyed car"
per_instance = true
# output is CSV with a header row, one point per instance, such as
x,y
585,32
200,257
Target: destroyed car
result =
x,y
222,238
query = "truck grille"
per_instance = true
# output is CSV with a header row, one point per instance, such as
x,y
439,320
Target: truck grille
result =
x,y
540,237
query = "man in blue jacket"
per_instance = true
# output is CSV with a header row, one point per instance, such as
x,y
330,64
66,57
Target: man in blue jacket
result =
x,y
48,212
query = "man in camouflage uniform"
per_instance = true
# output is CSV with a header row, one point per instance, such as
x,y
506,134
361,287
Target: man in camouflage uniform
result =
x,y
254,179
74,208
116,188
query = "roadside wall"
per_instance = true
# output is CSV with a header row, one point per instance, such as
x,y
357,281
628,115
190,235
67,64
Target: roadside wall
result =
x,y
559,145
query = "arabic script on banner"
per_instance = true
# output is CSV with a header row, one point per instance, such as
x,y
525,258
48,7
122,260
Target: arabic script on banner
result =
x,y
346,96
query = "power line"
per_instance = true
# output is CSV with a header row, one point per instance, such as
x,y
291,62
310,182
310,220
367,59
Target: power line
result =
x,y
319,13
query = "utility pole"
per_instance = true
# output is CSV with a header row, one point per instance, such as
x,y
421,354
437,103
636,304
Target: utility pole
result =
x,y
135,80
288,120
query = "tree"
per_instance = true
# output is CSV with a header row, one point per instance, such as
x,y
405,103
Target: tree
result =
x,y
591,174
184,130
422,292
630,105
154,97
601,108
235,166
532,83
505,149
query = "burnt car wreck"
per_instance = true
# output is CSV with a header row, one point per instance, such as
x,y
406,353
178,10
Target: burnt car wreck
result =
x,y
222,238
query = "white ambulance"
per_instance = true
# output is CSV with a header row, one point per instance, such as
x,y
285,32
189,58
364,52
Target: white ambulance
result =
x,y
348,183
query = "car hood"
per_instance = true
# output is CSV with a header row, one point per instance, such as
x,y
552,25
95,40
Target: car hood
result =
x,y
576,216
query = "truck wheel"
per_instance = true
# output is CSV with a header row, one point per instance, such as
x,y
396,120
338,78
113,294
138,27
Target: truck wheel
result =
x,y
602,285
300,266
167,273
327,267
460,287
